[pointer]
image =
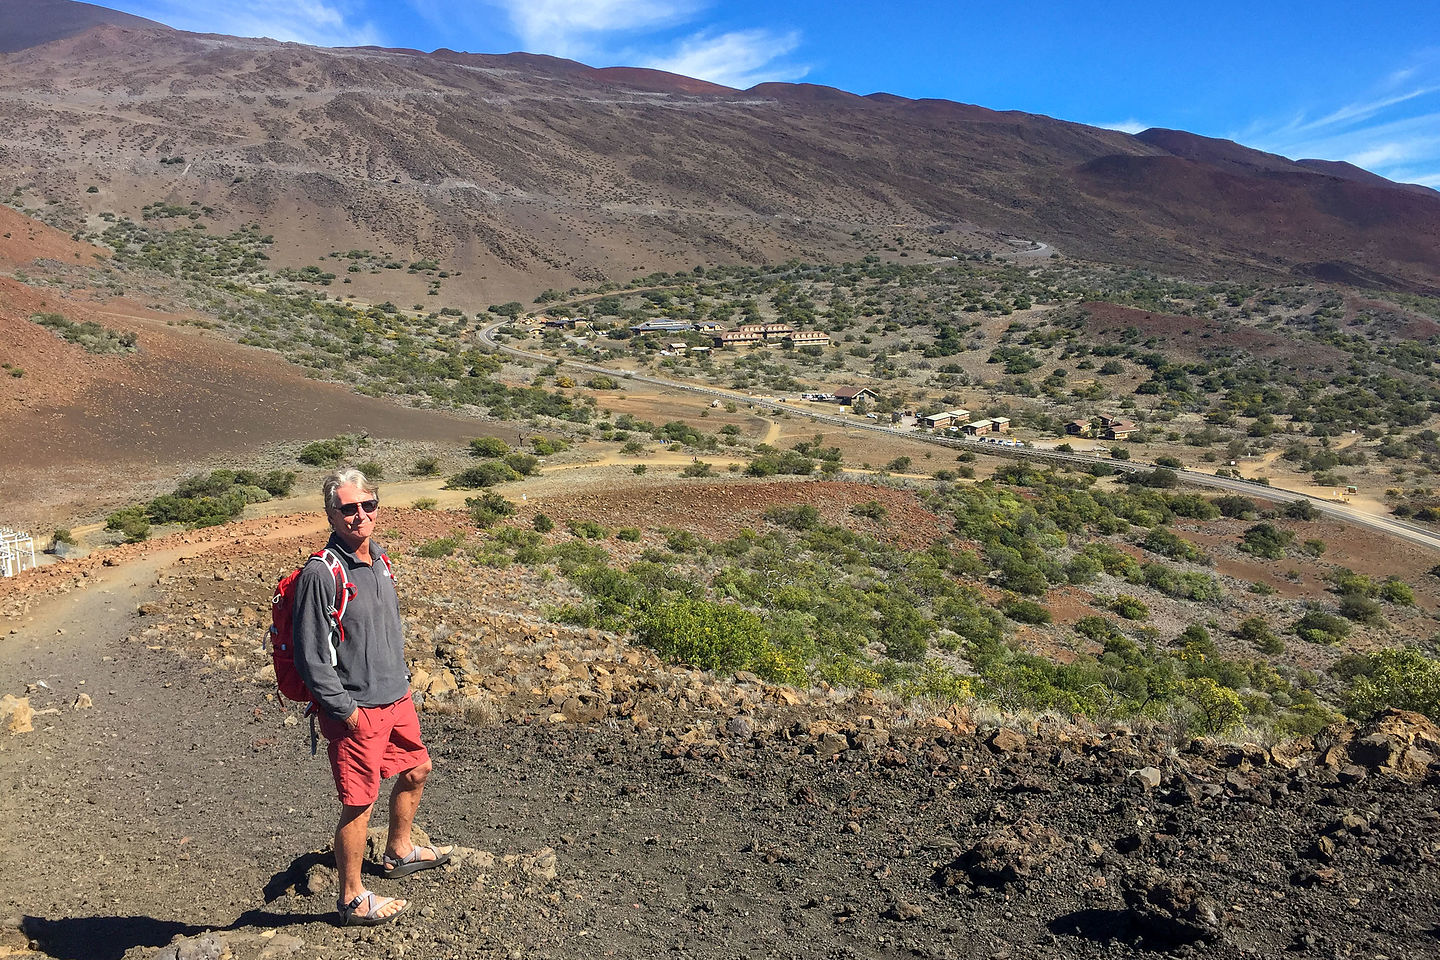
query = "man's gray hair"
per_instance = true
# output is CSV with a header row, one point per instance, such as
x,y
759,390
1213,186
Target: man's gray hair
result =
x,y
345,477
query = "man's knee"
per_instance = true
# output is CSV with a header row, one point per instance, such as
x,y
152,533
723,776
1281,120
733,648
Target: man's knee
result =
x,y
417,775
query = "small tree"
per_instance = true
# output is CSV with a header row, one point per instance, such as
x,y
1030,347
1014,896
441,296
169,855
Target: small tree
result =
x,y
1401,678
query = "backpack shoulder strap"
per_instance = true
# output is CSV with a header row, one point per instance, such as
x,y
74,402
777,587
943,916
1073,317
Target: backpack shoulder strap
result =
x,y
389,571
344,589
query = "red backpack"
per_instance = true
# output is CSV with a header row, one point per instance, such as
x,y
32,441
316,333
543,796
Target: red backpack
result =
x,y
282,625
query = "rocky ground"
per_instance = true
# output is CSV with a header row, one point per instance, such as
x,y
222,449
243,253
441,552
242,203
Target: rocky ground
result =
x,y
157,801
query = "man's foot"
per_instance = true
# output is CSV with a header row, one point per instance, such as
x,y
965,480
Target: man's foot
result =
x,y
368,909
419,858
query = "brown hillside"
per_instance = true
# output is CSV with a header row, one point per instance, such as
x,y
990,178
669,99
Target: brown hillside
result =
x,y
524,171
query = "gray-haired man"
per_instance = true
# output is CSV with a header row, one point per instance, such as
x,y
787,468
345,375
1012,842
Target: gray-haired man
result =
x,y
361,689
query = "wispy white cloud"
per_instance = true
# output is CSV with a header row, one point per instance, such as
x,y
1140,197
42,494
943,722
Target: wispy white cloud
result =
x,y
641,33
580,28
1395,132
322,23
740,58
1125,126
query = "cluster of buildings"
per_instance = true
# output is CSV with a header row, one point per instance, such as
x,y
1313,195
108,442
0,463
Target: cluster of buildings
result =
x,y
958,421
747,334
1101,427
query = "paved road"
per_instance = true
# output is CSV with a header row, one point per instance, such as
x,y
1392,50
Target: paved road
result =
x,y
1410,532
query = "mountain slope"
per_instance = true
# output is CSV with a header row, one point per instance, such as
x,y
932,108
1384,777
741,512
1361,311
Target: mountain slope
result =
x,y
30,23
524,171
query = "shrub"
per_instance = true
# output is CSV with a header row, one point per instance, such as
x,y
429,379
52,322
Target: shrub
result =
x,y
1317,626
522,463
699,468
801,517
371,469
63,535
1129,607
715,636
439,547
1300,510
870,510
426,467
1218,708
1255,631
588,530
1025,611
545,446
1266,541
485,475
1402,678
1395,590
1236,507
542,523
424,503
899,465
488,447
628,534
488,508
323,453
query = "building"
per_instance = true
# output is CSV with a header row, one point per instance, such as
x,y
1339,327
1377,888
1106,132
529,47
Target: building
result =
x,y
939,421
1000,425
977,428
1078,428
737,338
663,326
848,396
769,331
809,338
1119,430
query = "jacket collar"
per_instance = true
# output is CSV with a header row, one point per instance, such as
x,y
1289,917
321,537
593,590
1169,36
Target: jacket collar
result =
x,y
336,544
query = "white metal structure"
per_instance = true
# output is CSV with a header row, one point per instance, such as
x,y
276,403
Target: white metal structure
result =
x,y
17,552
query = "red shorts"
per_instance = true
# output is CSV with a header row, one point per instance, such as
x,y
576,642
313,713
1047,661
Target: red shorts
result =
x,y
385,742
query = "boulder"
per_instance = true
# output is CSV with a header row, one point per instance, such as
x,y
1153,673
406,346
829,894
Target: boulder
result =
x,y
16,714
1169,910
1006,740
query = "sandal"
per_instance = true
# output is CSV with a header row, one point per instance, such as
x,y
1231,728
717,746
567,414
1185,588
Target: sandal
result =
x,y
350,915
412,862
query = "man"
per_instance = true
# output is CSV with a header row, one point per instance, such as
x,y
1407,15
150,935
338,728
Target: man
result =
x,y
361,689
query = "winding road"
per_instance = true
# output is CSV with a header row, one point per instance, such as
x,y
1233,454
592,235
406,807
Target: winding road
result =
x,y
1410,532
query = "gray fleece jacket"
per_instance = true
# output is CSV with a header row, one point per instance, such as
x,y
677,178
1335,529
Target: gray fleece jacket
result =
x,y
368,668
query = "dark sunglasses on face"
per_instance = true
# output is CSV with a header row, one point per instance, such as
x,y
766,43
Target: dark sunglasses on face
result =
x,y
350,509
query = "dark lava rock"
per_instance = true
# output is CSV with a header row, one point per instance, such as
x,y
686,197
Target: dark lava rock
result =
x,y
1169,910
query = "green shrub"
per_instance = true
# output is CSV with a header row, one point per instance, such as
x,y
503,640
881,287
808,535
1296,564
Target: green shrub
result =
x,y
63,535
488,447
522,463
1255,631
425,503
323,453
628,534
545,446
588,530
715,636
1236,507
1317,626
1397,591
371,469
542,523
870,510
484,475
1129,607
697,469
488,508
800,517
1402,678
1025,611
1218,709
1266,541
439,547
426,467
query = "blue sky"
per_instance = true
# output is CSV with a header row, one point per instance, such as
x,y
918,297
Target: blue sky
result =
x,y
1339,81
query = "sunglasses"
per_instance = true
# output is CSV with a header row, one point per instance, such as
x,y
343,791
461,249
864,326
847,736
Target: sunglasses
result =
x,y
350,509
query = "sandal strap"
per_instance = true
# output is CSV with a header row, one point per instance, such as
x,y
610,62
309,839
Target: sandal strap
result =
x,y
377,903
413,856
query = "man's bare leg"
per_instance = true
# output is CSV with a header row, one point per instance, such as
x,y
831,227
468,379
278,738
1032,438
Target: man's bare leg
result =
x,y
350,854
404,801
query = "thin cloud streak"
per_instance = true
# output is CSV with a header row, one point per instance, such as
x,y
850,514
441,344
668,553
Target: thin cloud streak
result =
x,y
338,23
1131,126
740,58
576,28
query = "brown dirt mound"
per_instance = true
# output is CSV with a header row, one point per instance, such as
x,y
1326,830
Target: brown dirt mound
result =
x,y
1199,336
23,241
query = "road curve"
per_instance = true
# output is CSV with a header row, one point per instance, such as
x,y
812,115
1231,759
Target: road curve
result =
x,y
1409,532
